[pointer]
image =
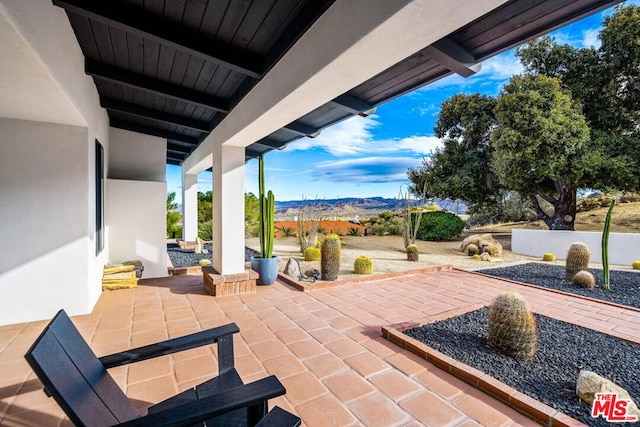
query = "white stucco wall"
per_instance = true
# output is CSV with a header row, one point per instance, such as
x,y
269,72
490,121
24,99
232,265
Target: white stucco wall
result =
x,y
45,238
136,223
624,248
136,157
50,260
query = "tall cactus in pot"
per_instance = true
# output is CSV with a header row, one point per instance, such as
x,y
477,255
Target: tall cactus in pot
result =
x,y
267,214
266,265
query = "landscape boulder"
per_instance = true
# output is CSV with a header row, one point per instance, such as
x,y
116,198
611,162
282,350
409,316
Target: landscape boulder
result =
x,y
589,383
481,243
292,269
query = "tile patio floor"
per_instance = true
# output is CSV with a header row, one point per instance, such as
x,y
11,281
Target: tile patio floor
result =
x,y
325,346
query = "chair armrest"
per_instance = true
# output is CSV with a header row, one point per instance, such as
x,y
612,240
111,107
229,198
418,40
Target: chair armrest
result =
x,y
198,339
214,405
278,417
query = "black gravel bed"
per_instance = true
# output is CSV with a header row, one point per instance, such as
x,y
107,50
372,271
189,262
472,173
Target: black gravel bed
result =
x,y
563,350
188,258
624,289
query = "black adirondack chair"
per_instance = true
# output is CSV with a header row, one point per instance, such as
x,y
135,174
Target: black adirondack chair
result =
x,y
79,382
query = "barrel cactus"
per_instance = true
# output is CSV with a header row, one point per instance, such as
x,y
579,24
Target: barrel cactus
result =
x,y
635,265
577,259
330,257
584,279
413,252
363,265
312,254
548,257
512,327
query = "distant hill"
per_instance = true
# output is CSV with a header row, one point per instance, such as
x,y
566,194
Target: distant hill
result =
x,y
351,207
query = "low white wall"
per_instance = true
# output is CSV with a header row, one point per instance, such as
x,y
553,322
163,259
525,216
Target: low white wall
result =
x,y
624,248
136,223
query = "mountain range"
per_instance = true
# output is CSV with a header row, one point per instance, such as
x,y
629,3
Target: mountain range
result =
x,y
352,207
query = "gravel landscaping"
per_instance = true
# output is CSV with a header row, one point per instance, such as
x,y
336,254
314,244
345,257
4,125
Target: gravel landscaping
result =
x,y
188,258
563,350
625,285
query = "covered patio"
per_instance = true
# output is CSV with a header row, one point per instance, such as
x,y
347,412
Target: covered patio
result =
x,y
325,346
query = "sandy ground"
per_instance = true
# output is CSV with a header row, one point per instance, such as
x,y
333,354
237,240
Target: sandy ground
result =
x,y
388,255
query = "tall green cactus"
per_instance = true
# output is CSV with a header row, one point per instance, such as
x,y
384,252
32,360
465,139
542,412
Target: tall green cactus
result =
x,y
605,246
267,214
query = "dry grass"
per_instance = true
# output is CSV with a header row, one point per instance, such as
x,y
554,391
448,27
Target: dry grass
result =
x,y
625,219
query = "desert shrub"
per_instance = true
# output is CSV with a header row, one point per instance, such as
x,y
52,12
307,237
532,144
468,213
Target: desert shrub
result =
x,y
321,230
204,262
205,230
287,231
630,198
394,226
379,229
589,204
440,225
386,215
354,231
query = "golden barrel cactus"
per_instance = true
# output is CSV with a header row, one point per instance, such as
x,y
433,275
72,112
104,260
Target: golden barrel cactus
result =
x,y
512,327
578,259
363,265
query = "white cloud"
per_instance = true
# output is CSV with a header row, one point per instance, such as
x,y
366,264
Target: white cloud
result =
x,y
348,138
353,137
590,38
418,144
366,170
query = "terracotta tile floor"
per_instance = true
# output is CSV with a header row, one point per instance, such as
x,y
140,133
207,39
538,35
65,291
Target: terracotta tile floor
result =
x,y
325,346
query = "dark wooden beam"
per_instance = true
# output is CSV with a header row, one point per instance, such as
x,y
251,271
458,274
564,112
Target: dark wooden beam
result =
x,y
117,75
178,148
135,20
149,113
353,105
174,162
270,143
122,124
302,129
451,55
176,156
251,153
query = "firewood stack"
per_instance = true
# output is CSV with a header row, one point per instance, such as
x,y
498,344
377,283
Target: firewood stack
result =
x,y
122,276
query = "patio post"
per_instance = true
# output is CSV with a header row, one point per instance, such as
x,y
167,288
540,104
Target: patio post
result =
x,y
228,209
189,206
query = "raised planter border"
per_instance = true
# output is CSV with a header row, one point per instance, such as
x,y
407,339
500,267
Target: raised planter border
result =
x,y
515,399
366,278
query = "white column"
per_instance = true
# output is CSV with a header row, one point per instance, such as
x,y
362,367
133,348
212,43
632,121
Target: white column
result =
x,y
228,209
189,206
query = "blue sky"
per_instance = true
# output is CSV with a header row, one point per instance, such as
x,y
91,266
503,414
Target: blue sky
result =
x,y
368,157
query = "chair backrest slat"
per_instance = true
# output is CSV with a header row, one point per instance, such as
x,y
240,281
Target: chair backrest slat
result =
x,y
75,378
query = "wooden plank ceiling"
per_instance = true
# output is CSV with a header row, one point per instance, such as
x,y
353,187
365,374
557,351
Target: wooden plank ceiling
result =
x,y
175,68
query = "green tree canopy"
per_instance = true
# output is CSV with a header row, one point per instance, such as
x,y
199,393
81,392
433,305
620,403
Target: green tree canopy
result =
x,y
540,145
571,122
